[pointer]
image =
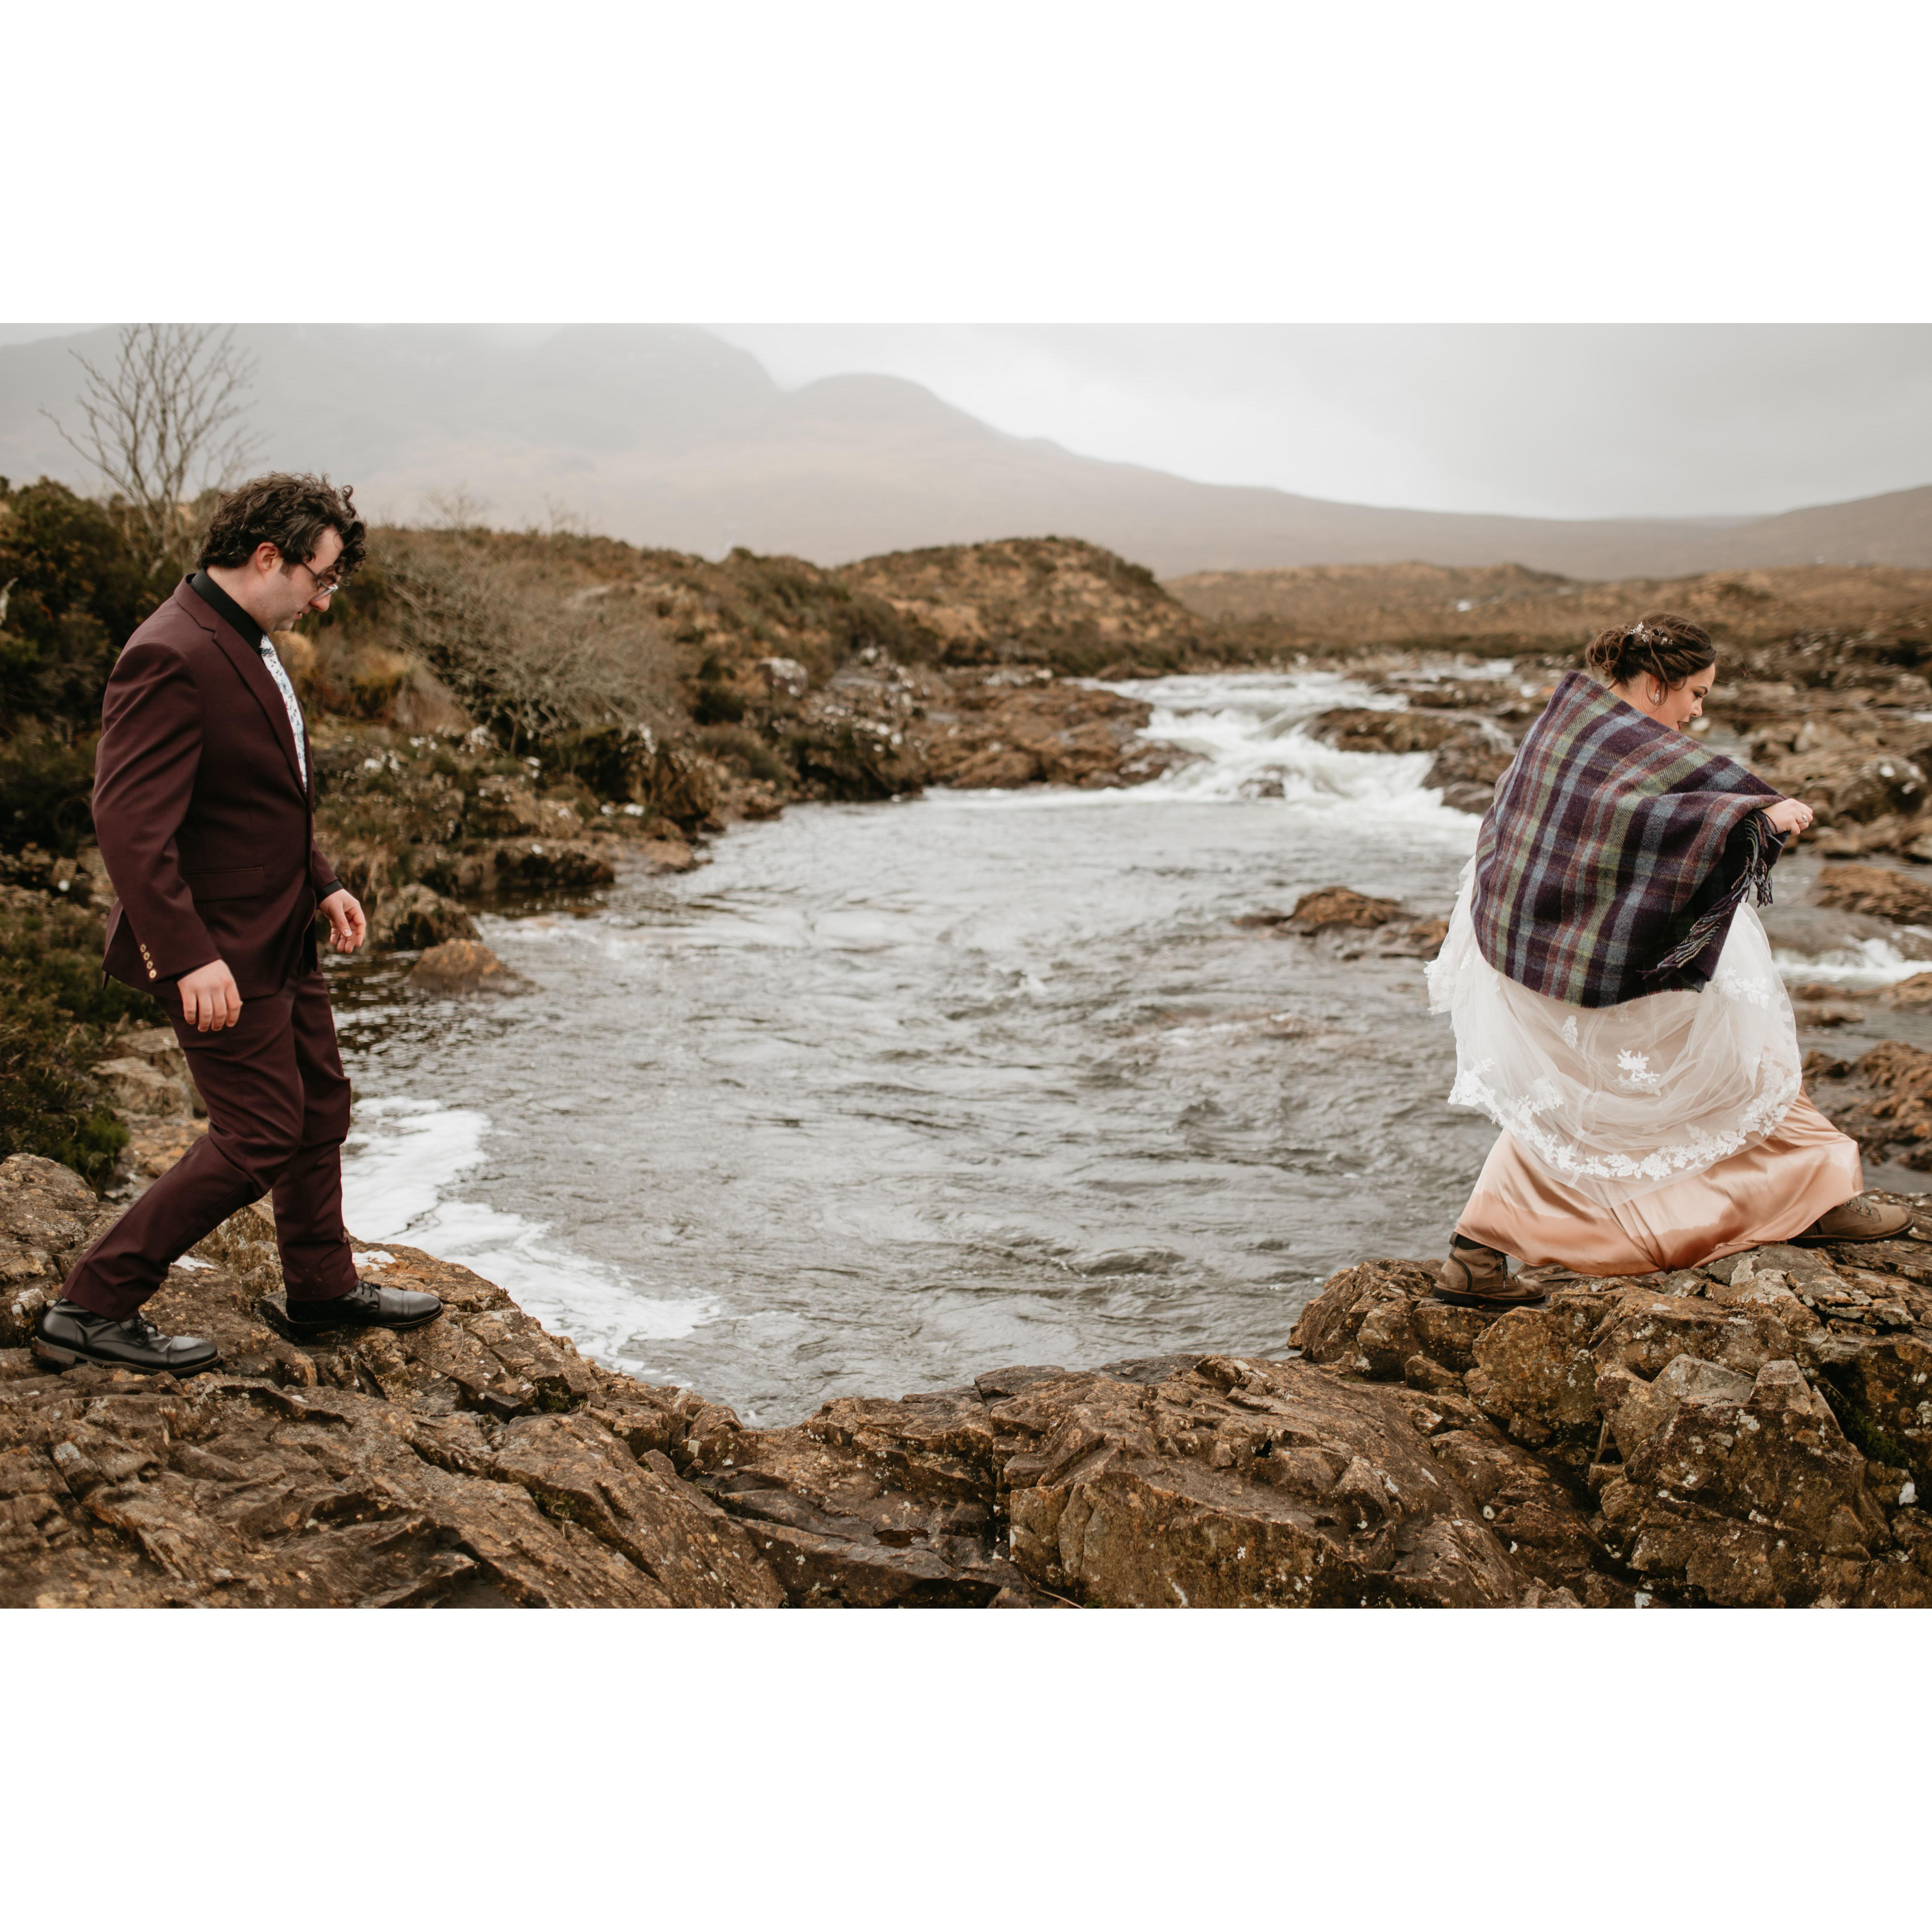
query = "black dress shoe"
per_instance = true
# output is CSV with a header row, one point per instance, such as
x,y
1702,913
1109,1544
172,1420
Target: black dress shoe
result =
x,y
367,1305
67,1334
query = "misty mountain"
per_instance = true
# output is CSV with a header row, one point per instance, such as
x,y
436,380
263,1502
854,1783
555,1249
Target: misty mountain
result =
x,y
667,436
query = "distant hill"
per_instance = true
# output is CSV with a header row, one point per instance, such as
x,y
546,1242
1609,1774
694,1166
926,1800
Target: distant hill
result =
x,y
669,436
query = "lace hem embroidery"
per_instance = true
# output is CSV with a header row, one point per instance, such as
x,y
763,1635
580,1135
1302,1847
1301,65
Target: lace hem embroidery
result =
x,y
1701,1150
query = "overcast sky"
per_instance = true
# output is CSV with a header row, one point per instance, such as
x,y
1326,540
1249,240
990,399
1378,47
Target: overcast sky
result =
x,y
1573,420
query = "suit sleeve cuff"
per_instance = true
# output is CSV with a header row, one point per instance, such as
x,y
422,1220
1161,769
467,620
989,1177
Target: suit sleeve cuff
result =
x,y
169,967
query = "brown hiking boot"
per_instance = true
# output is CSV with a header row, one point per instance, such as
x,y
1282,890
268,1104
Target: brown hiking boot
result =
x,y
1475,1277
1860,1219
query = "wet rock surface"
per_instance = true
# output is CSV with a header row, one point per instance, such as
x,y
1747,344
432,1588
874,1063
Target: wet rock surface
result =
x,y
1756,1432
480,1461
991,734
1469,748
464,966
1353,925
878,729
1883,1099
412,917
1748,1433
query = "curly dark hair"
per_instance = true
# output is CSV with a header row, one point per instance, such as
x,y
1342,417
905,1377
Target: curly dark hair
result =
x,y
1667,647
291,512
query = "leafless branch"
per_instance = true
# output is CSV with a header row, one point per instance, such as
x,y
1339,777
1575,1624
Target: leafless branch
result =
x,y
456,510
531,655
161,426
563,521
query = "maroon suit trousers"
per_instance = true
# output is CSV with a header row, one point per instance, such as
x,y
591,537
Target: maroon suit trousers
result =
x,y
278,1113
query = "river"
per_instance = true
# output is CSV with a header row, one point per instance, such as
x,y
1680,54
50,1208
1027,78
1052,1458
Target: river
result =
x,y
887,1095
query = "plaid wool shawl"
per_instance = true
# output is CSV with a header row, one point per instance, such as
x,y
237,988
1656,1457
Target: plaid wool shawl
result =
x,y
1615,853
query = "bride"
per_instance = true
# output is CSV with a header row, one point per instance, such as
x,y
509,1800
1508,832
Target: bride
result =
x,y
1616,1009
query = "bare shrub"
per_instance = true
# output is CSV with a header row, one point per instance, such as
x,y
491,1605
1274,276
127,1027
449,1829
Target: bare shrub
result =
x,y
527,646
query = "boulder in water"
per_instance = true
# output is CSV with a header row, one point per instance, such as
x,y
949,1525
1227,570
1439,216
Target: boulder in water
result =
x,y
1000,734
1883,1099
1353,925
1338,906
464,966
666,855
1467,757
1878,891
1395,731
413,916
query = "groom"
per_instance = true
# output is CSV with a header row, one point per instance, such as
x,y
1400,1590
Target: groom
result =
x,y
204,804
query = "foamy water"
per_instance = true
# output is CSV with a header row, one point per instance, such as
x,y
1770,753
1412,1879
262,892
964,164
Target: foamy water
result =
x,y
1250,734
1860,963
404,1169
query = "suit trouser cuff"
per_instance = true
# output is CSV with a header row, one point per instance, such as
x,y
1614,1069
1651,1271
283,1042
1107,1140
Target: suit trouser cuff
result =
x,y
131,1259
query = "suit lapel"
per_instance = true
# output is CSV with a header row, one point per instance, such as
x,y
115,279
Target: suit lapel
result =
x,y
254,673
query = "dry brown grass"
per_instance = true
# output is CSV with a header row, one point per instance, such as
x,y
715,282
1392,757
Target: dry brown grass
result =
x,y
1508,608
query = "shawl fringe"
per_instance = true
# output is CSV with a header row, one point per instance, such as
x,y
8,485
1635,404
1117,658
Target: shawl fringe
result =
x,y
1754,873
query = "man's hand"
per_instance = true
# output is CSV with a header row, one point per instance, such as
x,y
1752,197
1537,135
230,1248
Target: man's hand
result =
x,y
209,999
346,925
1788,815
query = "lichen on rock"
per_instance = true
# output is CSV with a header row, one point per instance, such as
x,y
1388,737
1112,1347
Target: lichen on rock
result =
x,y
1748,1430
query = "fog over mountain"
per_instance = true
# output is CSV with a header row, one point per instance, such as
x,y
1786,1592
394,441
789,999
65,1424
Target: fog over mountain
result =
x,y
670,435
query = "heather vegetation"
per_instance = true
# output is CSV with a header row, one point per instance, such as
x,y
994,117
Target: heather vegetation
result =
x,y
1834,616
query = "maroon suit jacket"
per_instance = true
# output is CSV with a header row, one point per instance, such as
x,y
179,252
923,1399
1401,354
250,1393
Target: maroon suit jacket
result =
x,y
207,828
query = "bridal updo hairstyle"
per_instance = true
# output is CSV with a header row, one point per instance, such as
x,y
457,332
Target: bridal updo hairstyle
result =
x,y
1658,645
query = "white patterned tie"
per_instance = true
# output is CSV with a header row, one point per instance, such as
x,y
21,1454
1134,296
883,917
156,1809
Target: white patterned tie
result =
x,y
270,658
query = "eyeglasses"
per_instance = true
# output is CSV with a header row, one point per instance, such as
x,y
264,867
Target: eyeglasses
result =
x,y
325,586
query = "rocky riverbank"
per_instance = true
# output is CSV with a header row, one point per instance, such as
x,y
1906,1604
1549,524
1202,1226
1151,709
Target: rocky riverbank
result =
x,y
1750,1433
1505,610
1842,723
758,682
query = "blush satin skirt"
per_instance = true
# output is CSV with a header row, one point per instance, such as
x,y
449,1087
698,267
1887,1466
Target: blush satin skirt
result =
x,y
1773,1189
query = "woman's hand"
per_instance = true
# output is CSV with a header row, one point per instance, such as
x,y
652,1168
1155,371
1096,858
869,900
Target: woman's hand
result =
x,y
1788,815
